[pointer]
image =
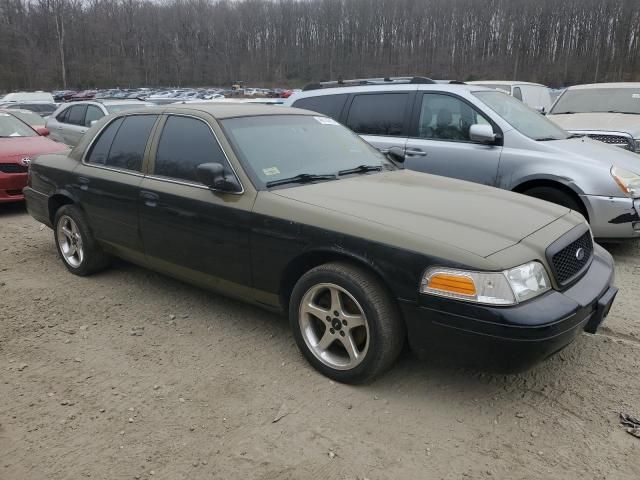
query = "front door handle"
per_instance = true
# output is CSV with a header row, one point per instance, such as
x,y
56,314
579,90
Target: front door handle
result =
x,y
415,152
150,198
84,183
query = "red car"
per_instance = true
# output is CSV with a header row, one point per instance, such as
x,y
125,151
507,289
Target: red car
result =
x,y
18,144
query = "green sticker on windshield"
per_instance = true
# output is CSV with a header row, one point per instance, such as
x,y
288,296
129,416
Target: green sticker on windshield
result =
x,y
271,171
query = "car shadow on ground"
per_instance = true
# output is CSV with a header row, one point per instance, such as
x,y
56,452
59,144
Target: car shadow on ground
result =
x,y
12,209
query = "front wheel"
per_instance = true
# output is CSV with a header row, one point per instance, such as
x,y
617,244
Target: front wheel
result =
x,y
558,197
345,322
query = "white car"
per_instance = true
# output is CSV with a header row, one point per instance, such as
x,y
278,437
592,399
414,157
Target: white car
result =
x,y
609,112
38,96
535,95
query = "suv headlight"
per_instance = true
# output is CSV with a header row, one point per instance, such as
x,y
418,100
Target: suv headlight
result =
x,y
628,182
508,287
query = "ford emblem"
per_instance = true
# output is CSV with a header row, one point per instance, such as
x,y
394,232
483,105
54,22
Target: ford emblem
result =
x,y
25,161
580,254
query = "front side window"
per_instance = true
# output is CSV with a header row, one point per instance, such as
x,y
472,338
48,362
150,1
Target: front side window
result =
x,y
12,127
62,116
277,147
525,120
93,114
378,114
184,144
610,100
444,117
329,105
122,143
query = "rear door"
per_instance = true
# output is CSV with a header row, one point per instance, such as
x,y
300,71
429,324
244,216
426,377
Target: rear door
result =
x,y
73,127
439,140
108,180
381,118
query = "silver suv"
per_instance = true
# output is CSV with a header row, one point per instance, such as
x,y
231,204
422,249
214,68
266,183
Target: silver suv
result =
x,y
486,136
71,120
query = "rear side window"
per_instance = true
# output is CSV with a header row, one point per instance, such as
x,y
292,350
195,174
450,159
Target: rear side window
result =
x,y
122,143
127,149
378,114
100,150
76,115
62,116
329,105
184,144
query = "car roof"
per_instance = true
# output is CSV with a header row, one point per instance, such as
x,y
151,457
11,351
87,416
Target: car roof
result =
x,y
504,82
606,85
402,87
224,110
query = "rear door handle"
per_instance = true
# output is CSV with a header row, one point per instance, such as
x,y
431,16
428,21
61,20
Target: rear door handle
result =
x,y
150,198
84,183
416,152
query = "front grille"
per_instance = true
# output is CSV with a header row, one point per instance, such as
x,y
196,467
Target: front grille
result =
x,y
12,168
617,140
572,259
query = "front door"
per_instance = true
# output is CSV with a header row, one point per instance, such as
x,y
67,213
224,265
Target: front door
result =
x,y
439,141
188,230
107,182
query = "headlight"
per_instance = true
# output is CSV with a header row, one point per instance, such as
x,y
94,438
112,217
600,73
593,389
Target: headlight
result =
x,y
637,145
628,182
491,288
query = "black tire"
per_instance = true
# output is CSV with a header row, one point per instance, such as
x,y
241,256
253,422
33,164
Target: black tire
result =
x,y
386,331
557,196
94,258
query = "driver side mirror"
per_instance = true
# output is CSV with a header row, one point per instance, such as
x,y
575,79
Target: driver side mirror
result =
x,y
212,175
482,134
42,131
396,154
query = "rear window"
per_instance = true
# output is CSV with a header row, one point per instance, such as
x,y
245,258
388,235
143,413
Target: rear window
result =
x,y
378,114
120,107
76,115
329,105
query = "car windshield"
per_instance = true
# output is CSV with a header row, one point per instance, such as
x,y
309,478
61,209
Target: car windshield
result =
x,y
614,100
524,119
12,127
277,147
119,107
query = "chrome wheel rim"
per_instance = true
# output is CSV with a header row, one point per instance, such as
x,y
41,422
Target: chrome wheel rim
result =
x,y
70,241
334,326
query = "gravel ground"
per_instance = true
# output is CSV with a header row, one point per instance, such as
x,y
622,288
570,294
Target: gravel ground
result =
x,y
129,374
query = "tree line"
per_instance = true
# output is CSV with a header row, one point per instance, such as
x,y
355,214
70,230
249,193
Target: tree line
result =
x,y
109,43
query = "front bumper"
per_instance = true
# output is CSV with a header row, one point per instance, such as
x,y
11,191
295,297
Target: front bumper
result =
x,y
613,218
11,185
511,339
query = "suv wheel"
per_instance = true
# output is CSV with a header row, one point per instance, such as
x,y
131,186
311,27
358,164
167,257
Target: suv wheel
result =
x,y
345,322
76,245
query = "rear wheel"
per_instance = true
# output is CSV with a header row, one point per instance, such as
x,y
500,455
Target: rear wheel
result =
x,y
345,322
76,245
557,196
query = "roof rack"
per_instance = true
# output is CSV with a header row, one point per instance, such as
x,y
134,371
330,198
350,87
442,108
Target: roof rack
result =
x,y
368,81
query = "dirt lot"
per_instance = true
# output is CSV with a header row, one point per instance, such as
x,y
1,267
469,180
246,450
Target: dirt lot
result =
x,y
129,374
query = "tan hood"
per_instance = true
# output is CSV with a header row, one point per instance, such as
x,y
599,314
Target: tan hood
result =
x,y
479,219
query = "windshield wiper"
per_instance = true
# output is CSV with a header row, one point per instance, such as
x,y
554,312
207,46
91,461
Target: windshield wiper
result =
x,y
302,178
562,113
361,169
625,113
546,139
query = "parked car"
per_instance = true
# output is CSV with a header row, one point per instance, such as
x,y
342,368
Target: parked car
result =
x,y
43,109
34,120
19,143
289,210
486,136
63,95
83,95
609,112
72,120
28,97
535,95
